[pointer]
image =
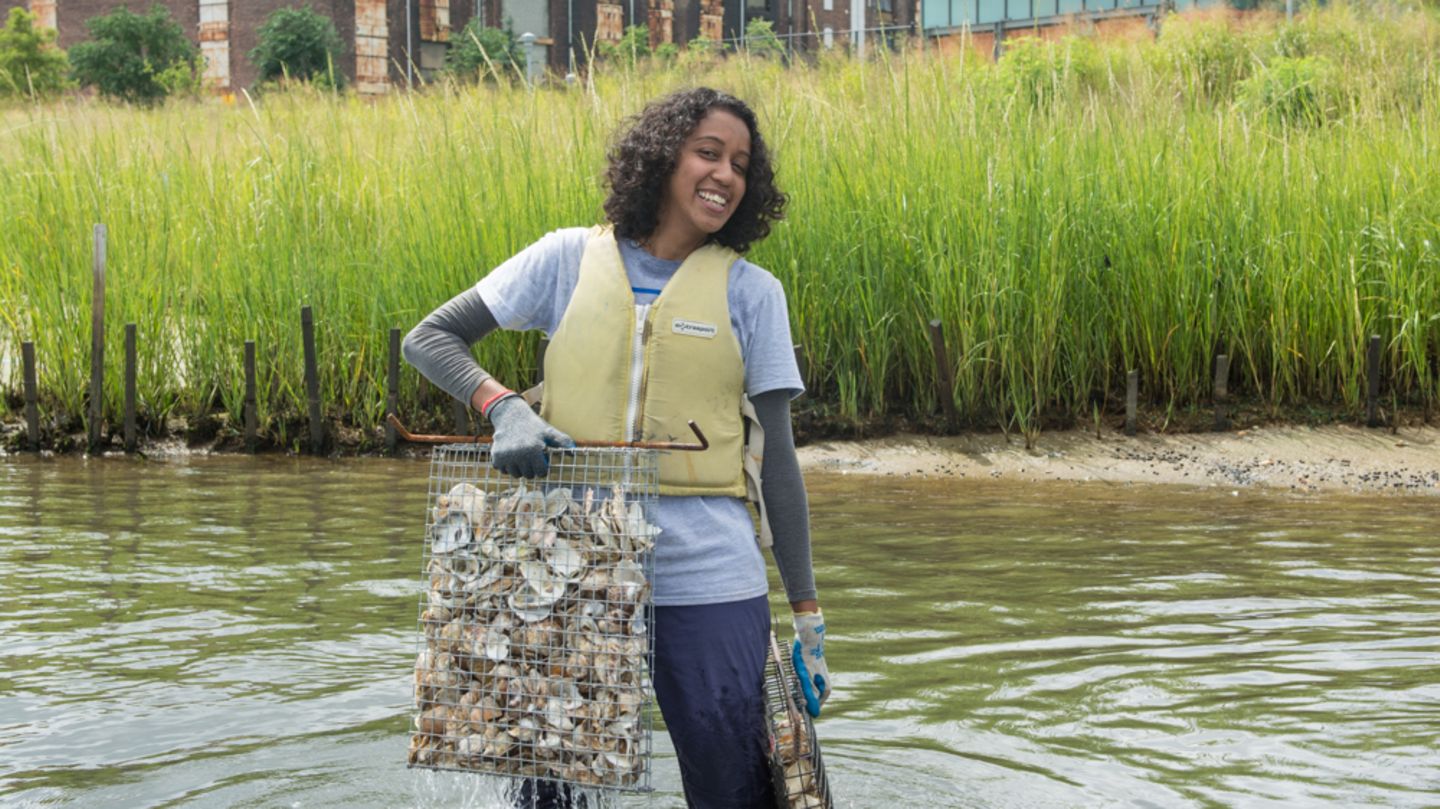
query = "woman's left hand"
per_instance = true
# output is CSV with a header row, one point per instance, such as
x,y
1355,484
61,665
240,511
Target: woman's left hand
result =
x,y
808,657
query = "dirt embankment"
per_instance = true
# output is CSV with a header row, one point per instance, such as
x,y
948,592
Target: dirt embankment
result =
x,y
1303,458
1299,458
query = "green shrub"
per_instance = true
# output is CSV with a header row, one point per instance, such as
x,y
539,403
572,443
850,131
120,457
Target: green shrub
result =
x,y
629,50
1038,71
1293,90
479,50
299,44
760,40
30,64
1204,54
667,52
128,54
699,53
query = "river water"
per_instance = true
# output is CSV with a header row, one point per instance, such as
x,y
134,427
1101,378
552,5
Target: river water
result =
x,y
237,632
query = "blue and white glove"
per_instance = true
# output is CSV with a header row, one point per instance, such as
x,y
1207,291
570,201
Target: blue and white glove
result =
x,y
521,438
808,657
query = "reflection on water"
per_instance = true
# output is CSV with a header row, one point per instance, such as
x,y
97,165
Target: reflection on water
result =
x,y
239,632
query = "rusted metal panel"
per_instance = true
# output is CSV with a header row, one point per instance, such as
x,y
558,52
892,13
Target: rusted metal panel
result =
x,y
215,42
372,39
44,11
661,22
609,22
435,20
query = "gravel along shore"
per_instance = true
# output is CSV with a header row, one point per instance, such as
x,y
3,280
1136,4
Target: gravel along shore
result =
x,y
1307,459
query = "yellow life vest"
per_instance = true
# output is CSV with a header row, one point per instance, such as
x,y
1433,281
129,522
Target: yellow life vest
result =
x,y
613,375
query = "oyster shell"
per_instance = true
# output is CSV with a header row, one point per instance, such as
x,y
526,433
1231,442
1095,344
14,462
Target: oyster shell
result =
x,y
451,533
535,631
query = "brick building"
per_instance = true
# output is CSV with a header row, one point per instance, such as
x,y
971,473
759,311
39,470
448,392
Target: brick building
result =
x,y
390,43
380,36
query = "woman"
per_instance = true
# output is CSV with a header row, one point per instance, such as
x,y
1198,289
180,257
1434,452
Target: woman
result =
x,y
655,320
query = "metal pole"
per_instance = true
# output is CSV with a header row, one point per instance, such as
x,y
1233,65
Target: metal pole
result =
x,y
409,50
857,23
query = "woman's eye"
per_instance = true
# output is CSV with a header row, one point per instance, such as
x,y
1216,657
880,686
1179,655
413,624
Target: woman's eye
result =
x,y
739,167
708,154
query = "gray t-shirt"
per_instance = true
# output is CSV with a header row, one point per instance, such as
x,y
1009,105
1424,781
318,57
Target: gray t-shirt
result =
x,y
706,552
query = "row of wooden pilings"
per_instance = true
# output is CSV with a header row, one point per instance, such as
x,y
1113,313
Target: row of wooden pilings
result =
x,y
944,379
314,409
945,384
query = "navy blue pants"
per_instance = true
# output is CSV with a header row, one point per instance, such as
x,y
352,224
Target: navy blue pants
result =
x,y
709,677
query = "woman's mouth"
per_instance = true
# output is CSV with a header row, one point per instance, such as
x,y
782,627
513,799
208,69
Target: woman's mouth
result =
x,y
713,201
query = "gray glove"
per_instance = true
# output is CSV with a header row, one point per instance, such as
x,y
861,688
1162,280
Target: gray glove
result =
x,y
521,437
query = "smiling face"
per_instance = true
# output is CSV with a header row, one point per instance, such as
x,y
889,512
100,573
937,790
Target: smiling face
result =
x,y
707,183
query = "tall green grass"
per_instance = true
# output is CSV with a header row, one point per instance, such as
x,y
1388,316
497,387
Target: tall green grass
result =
x,y
1081,209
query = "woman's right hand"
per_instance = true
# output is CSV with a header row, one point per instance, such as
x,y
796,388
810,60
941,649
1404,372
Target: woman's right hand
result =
x,y
521,438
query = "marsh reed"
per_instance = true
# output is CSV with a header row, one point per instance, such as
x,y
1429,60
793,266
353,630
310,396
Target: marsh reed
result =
x,y
1081,209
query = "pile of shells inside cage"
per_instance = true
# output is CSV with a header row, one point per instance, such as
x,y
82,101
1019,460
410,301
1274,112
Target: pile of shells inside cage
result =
x,y
535,639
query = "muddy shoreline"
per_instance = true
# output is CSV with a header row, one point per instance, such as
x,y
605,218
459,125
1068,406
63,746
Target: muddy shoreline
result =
x,y
1302,458
1307,459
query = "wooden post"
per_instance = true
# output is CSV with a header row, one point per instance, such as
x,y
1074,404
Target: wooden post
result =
x,y
1372,382
97,339
392,394
312,380
460,414
1132,399
250,413
130,387
32,407
944,376
1222,390
540,360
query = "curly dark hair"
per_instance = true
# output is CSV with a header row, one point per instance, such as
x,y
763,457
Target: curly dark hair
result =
x,y
644,155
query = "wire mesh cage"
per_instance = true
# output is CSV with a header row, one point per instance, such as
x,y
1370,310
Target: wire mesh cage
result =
x,y
796,768
535,641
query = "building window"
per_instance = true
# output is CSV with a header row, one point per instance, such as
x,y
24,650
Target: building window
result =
x,y
829,5
829,37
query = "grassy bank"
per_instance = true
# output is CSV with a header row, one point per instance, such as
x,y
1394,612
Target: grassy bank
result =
x,y
1081,209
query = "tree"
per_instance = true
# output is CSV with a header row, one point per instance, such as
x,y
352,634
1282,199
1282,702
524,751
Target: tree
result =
x,y
299,44
136,58
30,64
479,50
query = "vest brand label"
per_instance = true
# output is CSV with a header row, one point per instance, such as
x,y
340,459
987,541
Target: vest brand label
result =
x,y
693,328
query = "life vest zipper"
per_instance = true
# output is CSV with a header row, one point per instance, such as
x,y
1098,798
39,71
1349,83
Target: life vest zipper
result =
x,y
637,370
